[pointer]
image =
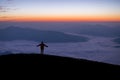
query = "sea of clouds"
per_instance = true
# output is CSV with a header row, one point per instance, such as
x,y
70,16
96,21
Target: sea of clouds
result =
x,y
97,49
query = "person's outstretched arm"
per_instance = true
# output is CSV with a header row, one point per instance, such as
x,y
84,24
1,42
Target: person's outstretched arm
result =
x,y
38,45
46,46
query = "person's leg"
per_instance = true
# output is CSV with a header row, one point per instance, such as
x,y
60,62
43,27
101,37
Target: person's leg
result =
x,y
42,50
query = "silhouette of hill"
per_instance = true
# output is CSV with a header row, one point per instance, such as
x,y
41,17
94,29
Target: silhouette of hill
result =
x,y
58,66
61,64
15,33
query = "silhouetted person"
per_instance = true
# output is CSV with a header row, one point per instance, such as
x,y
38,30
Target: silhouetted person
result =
x,y
42,45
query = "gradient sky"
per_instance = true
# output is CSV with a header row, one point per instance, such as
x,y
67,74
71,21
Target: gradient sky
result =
x,y
59,10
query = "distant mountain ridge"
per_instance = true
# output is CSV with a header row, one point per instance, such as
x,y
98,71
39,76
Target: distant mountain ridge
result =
x,y
100,31
16,33
117,40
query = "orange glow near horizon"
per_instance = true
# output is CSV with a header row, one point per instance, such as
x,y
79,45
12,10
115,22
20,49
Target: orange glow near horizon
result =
x,y
61,18
60,10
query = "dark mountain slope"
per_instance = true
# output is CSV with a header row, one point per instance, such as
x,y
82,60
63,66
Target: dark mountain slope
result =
x,y
45,64
62,62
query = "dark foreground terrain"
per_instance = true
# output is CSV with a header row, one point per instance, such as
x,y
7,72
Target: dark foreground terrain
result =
x,y
49,64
